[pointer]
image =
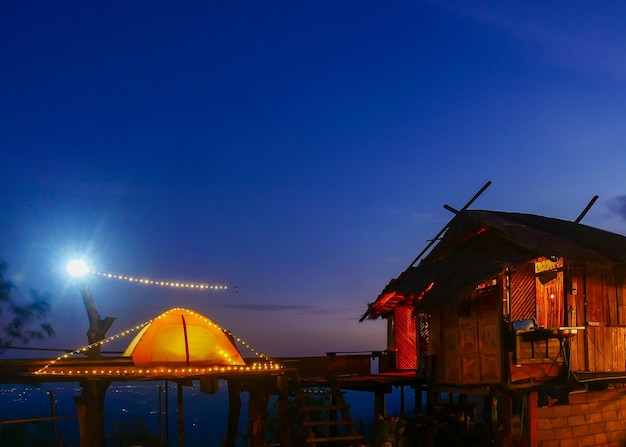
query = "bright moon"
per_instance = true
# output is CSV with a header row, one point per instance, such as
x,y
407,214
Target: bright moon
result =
x,y
77,267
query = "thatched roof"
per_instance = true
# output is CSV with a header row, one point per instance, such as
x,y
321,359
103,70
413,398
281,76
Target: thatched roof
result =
x,y
480,244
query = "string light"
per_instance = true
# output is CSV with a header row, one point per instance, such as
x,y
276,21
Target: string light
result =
x,y
152,282
93,345
247,346
158,372
267,364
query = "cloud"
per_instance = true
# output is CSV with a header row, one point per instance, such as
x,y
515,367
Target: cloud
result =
x,y
617,205
297,309
300,309
588,39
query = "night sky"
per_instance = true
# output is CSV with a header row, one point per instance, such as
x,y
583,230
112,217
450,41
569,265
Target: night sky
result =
x,y
297,152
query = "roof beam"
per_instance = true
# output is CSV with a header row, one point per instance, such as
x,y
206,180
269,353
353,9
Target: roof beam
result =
x,y
586,210
443,230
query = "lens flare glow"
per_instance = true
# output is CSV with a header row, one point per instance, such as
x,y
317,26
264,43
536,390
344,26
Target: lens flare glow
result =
x,y
77,267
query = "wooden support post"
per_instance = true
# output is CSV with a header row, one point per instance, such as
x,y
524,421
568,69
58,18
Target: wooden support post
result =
x,y
380,411
53,416
284,420
419,401
284,415
90,413
234,409
432,399
507,415
531,421
332,420
257,413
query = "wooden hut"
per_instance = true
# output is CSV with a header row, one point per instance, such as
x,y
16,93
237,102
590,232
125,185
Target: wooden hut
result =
x,y
528,311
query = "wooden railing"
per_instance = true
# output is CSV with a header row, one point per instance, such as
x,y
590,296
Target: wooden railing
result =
x,y
342,363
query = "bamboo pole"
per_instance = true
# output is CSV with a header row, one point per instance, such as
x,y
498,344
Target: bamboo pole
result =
x,y
443,230
586,210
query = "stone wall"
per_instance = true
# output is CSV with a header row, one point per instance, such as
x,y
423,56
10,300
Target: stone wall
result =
x,y
593,418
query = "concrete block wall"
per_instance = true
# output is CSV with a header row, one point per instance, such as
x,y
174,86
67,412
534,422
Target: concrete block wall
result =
x,y
592,418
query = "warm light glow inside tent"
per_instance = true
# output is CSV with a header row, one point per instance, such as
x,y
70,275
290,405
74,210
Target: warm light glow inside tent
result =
x,y
183,337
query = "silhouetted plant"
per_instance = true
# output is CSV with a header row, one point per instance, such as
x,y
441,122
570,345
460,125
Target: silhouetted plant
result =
x,y
32,434
22,321
131,433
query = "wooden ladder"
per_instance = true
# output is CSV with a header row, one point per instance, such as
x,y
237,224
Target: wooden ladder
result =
x,y
326,424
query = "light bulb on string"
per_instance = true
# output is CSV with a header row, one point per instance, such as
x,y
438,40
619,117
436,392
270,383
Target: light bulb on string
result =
x,y
265,364
148,281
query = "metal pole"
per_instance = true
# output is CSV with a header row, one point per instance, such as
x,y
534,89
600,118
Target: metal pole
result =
x,y
160,416
52,415
167,414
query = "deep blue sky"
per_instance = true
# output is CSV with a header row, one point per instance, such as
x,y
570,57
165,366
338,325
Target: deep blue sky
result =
x,y
300,151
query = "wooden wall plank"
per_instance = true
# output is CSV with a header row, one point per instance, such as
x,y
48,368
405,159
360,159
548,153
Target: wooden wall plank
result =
x,y
451,355
523,299
576,359
436,334
609,345
598,349
620,287
597,311
406,355
590,340
490,349
606,351
621,348
448,361
609,296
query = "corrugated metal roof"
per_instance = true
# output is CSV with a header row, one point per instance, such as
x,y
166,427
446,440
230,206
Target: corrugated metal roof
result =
x,y
479,244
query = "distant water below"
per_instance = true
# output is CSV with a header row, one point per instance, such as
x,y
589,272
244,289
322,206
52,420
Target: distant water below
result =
x,y
205,415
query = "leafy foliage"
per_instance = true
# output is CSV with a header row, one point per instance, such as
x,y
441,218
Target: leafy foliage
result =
x,y
22,321
131,433
33,434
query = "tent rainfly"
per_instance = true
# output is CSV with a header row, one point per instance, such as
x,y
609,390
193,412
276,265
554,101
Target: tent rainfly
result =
x,y
182,337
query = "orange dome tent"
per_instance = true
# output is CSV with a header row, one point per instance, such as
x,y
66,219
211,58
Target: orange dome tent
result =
x,y
180,337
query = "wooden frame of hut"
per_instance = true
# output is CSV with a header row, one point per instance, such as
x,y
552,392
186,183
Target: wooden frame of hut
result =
x,y
183,346
525,310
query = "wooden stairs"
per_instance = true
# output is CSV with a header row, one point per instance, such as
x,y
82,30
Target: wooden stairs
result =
x,y
328,423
